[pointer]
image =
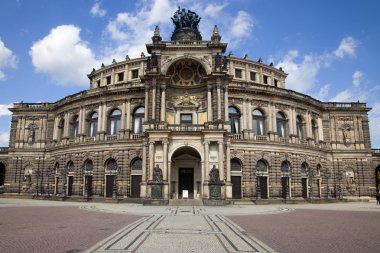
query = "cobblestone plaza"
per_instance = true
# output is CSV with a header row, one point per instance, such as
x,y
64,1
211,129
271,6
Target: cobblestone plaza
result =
x,y
52,226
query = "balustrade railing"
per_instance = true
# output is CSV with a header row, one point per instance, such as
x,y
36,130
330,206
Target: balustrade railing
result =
x,y
112,137
136,136
283,139
261,138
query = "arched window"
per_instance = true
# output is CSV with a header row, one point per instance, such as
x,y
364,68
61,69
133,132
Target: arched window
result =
x,y
136,164
93,124
75,127
234,117
261,166
258,120
304,168
138,119
70,166
299,127
61,129
285,167
235,165
314,129
114,122
281,124
88,165
111,165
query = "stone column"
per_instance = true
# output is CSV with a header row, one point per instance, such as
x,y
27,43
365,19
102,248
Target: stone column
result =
x,y
67,124
128,114
165,168
226,103
243,117
151,159
220,158
123,112
146,102
228,165
207,155
249,115
154,99
218,99
320,129
143,180
55,130
104,120
209,103
163,106
100,118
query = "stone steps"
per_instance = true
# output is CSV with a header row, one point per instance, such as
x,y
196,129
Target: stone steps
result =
x,y
185,202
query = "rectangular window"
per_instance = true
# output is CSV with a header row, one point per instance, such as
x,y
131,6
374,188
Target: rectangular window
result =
x,y
186,118
135,73
275,82
265,79
253,76
108,78
120,76
98,83
238,73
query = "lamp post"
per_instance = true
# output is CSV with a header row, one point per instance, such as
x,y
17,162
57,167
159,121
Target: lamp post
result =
x,y
258,187
339,176
85,194
311,174
38,174
48,174
327,176
114,188
64,173
287,194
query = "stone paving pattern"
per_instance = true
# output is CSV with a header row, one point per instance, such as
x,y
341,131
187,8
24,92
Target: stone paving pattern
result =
x,y
53,226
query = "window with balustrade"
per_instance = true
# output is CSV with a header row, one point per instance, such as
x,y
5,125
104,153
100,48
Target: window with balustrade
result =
x,y
93,126
281,124
258,122
114,122
138,120
234,119
75,127
299,127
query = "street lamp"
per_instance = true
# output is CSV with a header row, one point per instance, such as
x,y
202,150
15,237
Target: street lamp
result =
x,y
339,176
48,174
64,173
327,176
311,173
38,174
114,188
259,173
85,194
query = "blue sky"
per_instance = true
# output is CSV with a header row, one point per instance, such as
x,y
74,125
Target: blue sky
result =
x,y
329,48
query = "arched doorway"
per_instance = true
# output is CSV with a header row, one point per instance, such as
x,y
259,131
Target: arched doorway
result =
x,y
2,177
186,173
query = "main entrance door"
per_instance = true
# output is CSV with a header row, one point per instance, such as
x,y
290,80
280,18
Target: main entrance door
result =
x,y
70,186
304,188
263,187
109,185
135,186
236,187
186,182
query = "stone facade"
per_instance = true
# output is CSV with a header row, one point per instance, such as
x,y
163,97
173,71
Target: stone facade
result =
x,y
186,109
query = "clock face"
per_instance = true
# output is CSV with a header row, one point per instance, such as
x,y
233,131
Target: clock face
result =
x,y
186,73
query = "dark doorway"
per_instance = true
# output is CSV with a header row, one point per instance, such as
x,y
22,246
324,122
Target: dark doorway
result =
x,y
304,188
285,186
2,174
70,186
89,186
56,185
135,186
186,181
236,187
263,187
109,185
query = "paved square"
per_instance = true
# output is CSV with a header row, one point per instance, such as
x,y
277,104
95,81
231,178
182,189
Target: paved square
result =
x,y
49,226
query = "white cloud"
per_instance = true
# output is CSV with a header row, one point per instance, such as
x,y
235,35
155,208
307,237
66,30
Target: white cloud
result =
x,y
344,96
97,11
4,110
323,92
214,9
63,55
374,124
242,25
4,139
347,47
303,71
7,59
357,78
302,74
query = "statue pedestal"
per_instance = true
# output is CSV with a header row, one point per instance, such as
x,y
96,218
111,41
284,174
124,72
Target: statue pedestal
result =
x,y
215,191
157,191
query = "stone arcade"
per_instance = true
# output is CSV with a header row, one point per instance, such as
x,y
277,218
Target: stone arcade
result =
x,y
162,127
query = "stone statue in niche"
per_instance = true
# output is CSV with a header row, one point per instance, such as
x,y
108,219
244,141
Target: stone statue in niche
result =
x,y
214,175
31,134
157,174
346,135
